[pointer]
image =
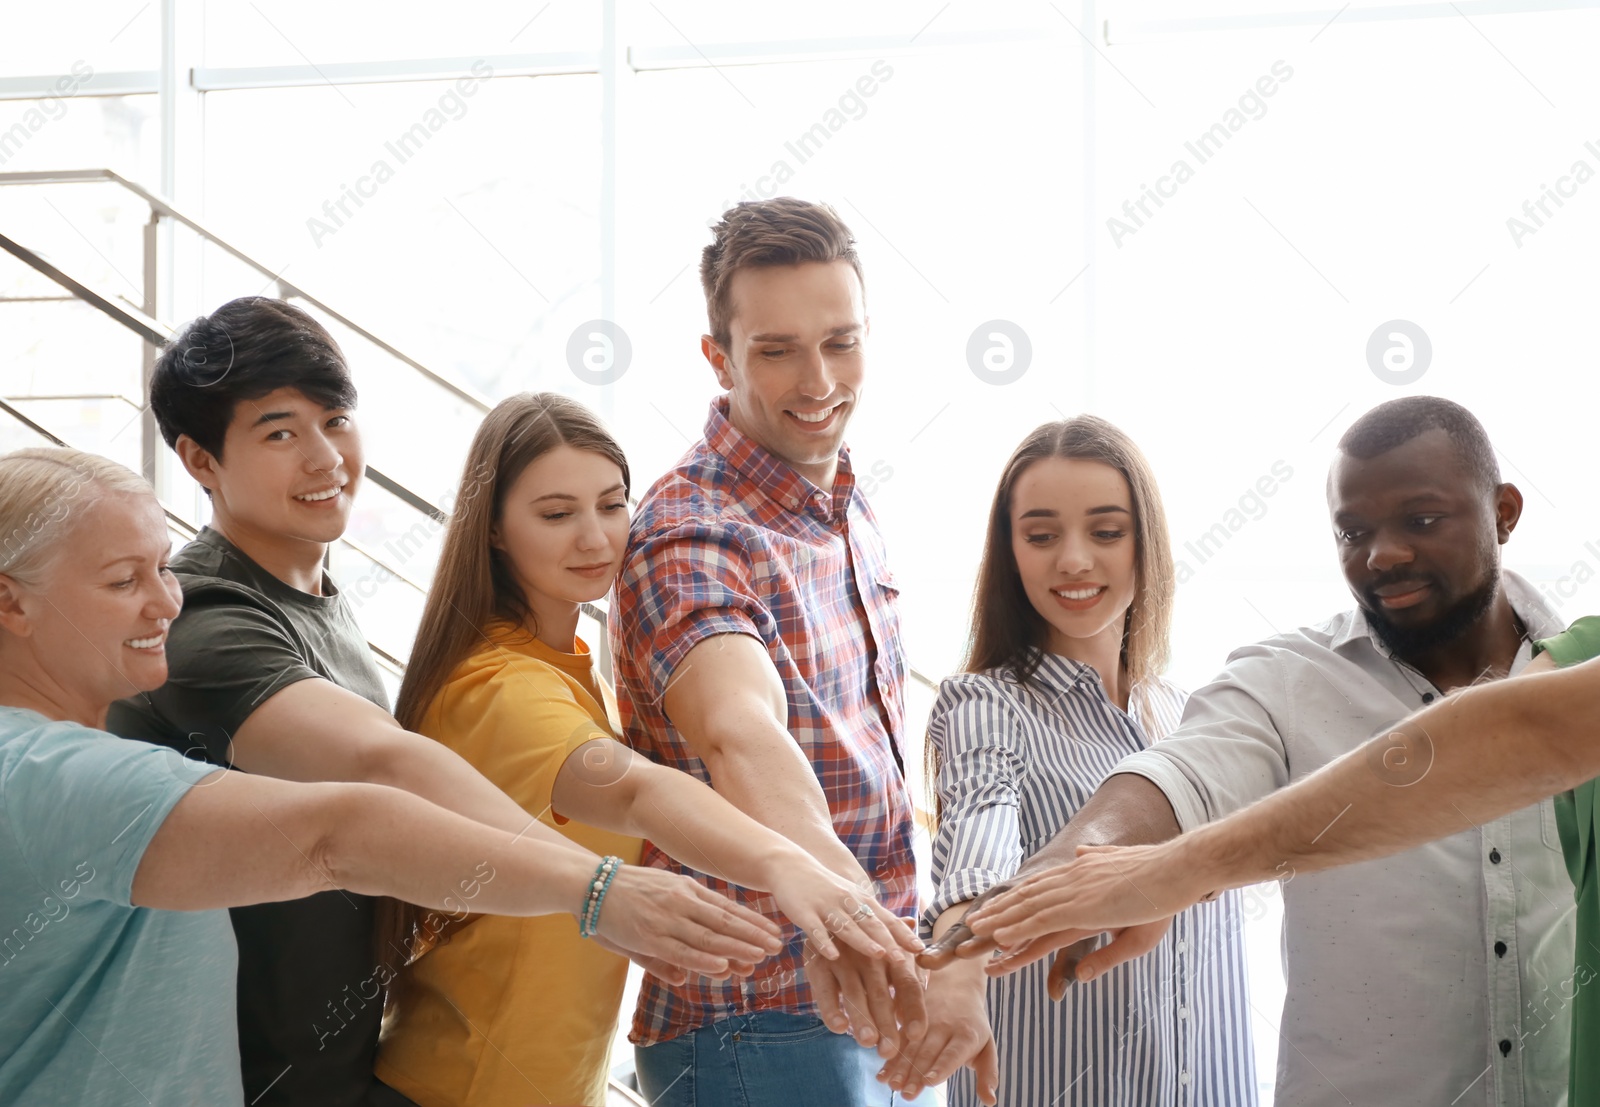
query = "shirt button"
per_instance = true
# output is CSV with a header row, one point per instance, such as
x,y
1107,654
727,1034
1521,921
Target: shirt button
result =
x,y
1494,856
1183,1077
1183,947
1505,1047
1499,949
1183,1012
1427,697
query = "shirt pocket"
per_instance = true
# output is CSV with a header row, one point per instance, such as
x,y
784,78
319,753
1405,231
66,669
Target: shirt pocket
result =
x,y
1549,833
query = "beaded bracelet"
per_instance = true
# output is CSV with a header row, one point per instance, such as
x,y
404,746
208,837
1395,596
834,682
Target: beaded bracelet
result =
x,y
599,884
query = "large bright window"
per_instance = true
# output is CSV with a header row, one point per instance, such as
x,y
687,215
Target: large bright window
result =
x,y
1229,228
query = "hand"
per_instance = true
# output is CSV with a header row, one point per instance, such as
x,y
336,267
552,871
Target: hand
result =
x,y
674,926
879,1002
958,1034
824,904
1079,961
1064,968
959,941
1115,888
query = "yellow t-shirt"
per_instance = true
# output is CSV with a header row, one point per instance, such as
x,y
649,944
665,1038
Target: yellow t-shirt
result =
x,y
514,1011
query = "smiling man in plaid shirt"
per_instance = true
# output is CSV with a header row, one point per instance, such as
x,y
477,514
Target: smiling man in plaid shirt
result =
x,y
757,646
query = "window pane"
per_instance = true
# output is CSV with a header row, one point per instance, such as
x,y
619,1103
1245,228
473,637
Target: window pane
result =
x,y
302,32
107,35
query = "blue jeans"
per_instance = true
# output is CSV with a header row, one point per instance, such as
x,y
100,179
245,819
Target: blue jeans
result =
x,y
765,1059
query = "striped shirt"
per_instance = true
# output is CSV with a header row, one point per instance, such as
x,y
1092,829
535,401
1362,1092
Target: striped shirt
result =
x,y
733,541
1171,1029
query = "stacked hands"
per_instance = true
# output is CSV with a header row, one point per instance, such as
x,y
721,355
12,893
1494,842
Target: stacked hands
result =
x,y
925,1023
1130,892
927,1016
674,926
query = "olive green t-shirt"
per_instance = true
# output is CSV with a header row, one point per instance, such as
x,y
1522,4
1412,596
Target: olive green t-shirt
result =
x,y
310,995
1577,816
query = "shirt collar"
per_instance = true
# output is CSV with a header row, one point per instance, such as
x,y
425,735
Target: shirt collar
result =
x,y
1529,606
774,477
1065,674
1061,674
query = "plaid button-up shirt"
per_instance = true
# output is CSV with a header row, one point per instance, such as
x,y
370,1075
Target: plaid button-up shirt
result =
x,y
733,541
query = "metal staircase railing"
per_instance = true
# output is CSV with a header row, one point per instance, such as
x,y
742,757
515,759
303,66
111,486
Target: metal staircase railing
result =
x,y
156,333
162,208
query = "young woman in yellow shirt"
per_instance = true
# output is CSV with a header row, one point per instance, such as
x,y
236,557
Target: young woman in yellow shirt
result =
x,y
510,1010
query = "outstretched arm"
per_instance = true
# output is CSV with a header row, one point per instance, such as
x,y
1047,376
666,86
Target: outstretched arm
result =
x,y
314,730
605,784
727,701
1125,810
1474,756
236,839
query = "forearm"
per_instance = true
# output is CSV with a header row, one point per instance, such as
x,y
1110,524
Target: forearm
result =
x,y
383,841
695,825
776,787
238,839
1475,756
731,711
1126,810
432,770
315,731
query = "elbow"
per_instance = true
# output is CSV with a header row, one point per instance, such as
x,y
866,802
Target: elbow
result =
x,y
332,851
714,748
630,792
399,759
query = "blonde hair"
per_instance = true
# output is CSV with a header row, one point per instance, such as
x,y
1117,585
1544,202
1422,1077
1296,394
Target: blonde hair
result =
x,y
42,489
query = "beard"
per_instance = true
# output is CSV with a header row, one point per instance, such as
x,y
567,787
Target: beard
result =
x,y
1450,626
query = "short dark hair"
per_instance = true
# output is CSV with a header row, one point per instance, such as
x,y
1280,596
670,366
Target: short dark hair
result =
x,y
758,233
244,350
1397,422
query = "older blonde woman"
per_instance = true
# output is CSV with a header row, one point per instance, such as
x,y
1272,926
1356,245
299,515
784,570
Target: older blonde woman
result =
x,y
116,964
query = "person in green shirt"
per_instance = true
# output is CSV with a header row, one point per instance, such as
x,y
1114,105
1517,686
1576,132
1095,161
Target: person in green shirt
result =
x,y
1575,819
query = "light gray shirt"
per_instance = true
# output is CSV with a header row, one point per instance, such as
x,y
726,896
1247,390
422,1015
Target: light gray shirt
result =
x,y
1434,977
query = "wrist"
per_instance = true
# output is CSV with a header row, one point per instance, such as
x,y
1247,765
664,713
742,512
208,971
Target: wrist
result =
x,y
961,973
595,893
1206,863
775,864
575,869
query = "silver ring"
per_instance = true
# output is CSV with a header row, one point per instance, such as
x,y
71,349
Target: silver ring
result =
x,y
861,912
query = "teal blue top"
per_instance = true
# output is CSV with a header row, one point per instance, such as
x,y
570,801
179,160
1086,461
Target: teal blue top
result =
x,y
103,1002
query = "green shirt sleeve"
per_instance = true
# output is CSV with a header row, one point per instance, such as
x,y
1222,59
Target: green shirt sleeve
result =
x,y
1579,642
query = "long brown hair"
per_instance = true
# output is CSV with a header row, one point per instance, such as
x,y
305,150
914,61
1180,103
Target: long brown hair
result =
x,y
473,586
1006,632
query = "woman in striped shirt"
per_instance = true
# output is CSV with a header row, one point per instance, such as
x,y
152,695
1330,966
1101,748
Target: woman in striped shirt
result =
x,y
1062,681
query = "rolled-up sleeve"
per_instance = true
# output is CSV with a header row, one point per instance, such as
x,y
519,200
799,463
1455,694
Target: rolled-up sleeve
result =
x,y
979,843
679,588
1228,751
